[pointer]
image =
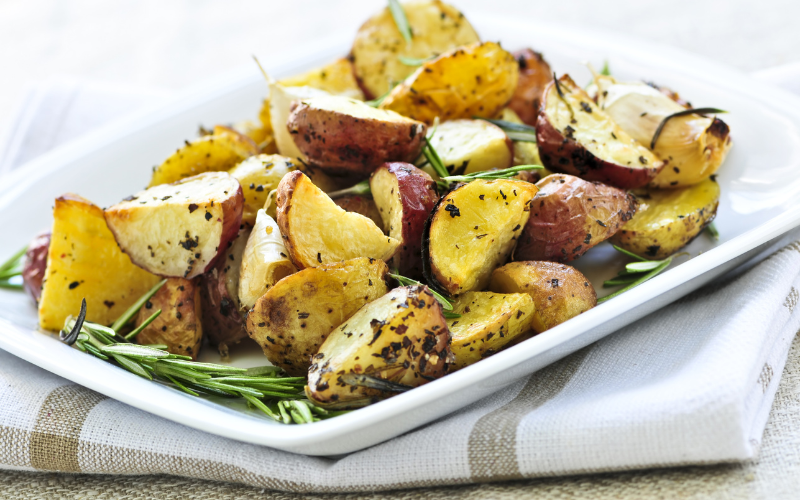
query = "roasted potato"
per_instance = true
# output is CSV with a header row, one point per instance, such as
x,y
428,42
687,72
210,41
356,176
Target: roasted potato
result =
x,y
576,137
336,78
316,231
179,326
569,216
35,265
265,261
258,175
559,291
488,322
179,229
392,344
437,28
525,153
84,261
348,137
291,321
360,205
405,197
477,80
668,219
471,231
534,75
280,103
467,146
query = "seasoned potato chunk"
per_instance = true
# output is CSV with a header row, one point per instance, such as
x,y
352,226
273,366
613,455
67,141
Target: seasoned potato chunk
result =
x,y
336,78
179,325
525,153
291,321
280,103
559,291
668,219
488,322
467,146
258,175
534,75
360,205
392,344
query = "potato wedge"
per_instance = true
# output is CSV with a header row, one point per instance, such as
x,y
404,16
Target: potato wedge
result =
x,y
360,205
291,321
84,261
336,78
473,230
392,344
180,229
570,215
35,265
316,231
534,75
576,137
467,146
488,322
348,137
559,291
477,80
258,175
668,219
265,261
179,326
436,26
280,103
525,153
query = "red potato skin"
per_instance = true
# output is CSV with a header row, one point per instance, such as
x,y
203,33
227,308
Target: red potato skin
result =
x,y
35,265
222,322
534,75
234,206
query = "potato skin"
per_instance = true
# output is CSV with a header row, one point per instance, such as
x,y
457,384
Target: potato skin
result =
x,y
35,265
179,325
534,75
569,216
360,205
559,291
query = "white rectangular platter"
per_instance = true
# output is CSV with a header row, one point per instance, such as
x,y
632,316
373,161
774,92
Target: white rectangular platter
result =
x,y
760,185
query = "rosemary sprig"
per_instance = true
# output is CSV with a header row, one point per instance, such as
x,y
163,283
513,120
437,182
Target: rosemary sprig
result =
x,y
11,269
413,61
134,308
446,305
690,111
605,71
487,175
400,19
712,230
375,103
360,189
515,131
635,273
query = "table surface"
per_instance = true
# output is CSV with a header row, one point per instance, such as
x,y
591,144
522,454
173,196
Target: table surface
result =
x,y
171,45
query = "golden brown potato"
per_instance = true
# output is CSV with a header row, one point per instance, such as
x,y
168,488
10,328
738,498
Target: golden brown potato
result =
x,y
525,153
258,175
35,265
316,231
84,261
473,230
436,26
534,75
468,146
488,322
360,205
668,219
559,291
569,216
291,321
477,80
392,344
280,103
336,78
179,326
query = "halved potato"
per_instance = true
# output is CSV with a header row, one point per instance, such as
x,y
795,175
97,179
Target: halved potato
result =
x,y
477,80
569,216
525,153
293,318
576,137
280,103
488,322
360,205
473,230
180,229
316,231
344,136
35,265
84,261
436,27
179,325
336,78
534,75
559,291
467,146
668,219
258,175
392,344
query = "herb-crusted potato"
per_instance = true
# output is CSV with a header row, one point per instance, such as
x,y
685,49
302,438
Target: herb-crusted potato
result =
x,y
392,344
179,326
559,291
668,219
336,78
488,322
280,103
35,265
258,175
473,230
467,146
569,216
534,75
291,321
436,28
477,80
84,261
317,231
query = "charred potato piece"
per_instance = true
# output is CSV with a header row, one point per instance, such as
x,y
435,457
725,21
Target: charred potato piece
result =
x,y
336,78
576,137
473,230
488,322
392,344
668,219
559,291
258,175
569,216
179,325
436,26
534,75
360,205
35,265
291,321
405,197
316,231
179,229
280,103
477,80
84,261
348,137
467,146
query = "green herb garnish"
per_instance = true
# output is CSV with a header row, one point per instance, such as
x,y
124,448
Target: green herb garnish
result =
x,y
712,231
690,111
605,71
446,305
635,273
413,61
487,175
11,269
360,189
515,131
400,19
